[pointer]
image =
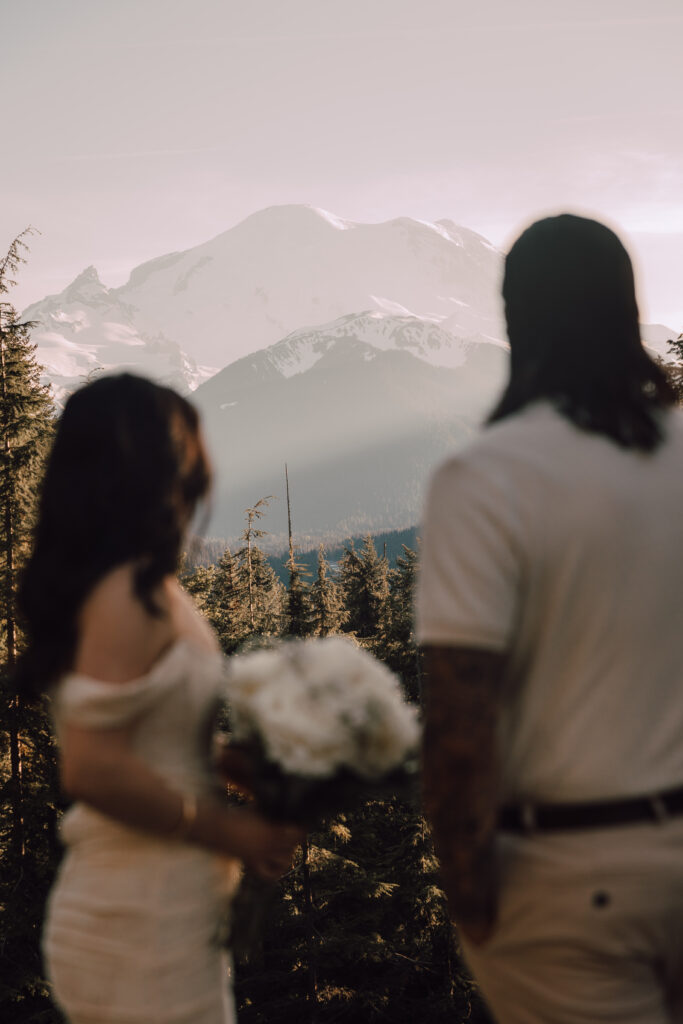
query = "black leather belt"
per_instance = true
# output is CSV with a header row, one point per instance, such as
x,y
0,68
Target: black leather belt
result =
x,y
531,817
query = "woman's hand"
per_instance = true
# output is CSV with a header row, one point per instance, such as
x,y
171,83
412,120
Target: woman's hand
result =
x,y
100,768
265,848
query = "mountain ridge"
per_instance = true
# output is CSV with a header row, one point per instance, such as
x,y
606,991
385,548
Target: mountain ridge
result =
x,y
278,270
358,354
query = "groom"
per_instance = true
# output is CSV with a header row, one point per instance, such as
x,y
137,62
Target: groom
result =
x,y
549,609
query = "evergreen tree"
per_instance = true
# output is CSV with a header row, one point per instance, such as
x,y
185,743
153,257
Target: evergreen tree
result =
x,y
28,764
256,587
365,587
199,583
26,419
361,931
227,606
674,366
395,643
264,593
298,617
220,595
250,534
327,612
240,596
386,946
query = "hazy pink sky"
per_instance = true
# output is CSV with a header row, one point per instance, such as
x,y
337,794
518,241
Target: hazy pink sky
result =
x,y
145,126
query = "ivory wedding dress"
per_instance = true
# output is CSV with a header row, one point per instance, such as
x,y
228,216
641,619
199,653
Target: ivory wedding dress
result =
x,y
132,921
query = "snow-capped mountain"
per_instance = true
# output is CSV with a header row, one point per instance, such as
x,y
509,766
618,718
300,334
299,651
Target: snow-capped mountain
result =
x,y
356,411
357,353
281,269
424,339
294,266
88,328
360,409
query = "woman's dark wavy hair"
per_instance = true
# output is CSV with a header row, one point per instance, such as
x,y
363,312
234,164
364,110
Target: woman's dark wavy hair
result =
x,y
572,320
124,476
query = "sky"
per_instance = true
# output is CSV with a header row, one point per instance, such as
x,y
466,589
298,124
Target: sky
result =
x,y
141,127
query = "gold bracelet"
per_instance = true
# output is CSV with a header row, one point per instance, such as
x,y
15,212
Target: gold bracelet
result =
x,y
188,816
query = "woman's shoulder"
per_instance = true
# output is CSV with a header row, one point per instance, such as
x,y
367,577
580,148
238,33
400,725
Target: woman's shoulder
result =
x,y
119,639
189,622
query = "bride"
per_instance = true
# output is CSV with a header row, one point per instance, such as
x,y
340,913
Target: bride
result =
x,y
152,853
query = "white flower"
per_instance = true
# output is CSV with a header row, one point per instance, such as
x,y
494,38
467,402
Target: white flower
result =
x,y
321,705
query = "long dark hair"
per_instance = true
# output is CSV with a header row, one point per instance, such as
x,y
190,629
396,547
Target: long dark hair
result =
x,y
572,320
125,473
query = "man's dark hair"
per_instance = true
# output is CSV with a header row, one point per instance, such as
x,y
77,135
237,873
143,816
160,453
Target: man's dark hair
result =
x,y
572,321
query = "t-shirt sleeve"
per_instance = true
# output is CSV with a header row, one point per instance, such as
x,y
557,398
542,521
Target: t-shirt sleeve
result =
x,y
471,562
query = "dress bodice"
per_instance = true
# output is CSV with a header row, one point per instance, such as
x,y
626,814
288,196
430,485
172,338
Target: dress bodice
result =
x,y
134,920
170,712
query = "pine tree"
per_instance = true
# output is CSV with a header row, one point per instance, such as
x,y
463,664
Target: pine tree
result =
x,y
395,643
29,774
199,583
674,366
378,912
361,931
365,587
250,534
240,596
227,606
219,593
26,421
265,599
327,612
259,590
298,617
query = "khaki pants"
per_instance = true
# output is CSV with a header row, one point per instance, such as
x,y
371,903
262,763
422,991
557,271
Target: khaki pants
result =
x,y
590,928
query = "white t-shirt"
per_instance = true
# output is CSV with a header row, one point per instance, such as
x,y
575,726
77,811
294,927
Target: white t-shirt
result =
x,y
566,551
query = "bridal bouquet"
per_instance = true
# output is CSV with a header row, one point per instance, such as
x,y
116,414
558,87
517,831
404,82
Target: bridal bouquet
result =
x,y
324,727
324,724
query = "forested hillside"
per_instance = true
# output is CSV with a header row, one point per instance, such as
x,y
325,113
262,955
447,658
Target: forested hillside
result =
x,y
29,800
361,931
390,545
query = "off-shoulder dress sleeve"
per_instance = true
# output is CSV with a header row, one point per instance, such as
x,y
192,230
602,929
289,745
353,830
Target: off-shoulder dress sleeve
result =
x,y
95,704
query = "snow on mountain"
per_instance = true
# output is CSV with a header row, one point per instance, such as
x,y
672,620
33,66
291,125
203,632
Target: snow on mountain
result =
x,y
88,328
360,409
425,339
357,413
281,269
357,353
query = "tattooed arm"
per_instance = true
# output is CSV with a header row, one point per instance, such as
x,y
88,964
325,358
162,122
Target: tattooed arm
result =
x,y
460,763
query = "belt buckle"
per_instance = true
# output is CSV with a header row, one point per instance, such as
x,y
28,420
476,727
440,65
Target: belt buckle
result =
x,y
658,807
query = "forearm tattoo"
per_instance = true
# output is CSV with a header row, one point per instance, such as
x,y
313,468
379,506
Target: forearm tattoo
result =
x,y
461,771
